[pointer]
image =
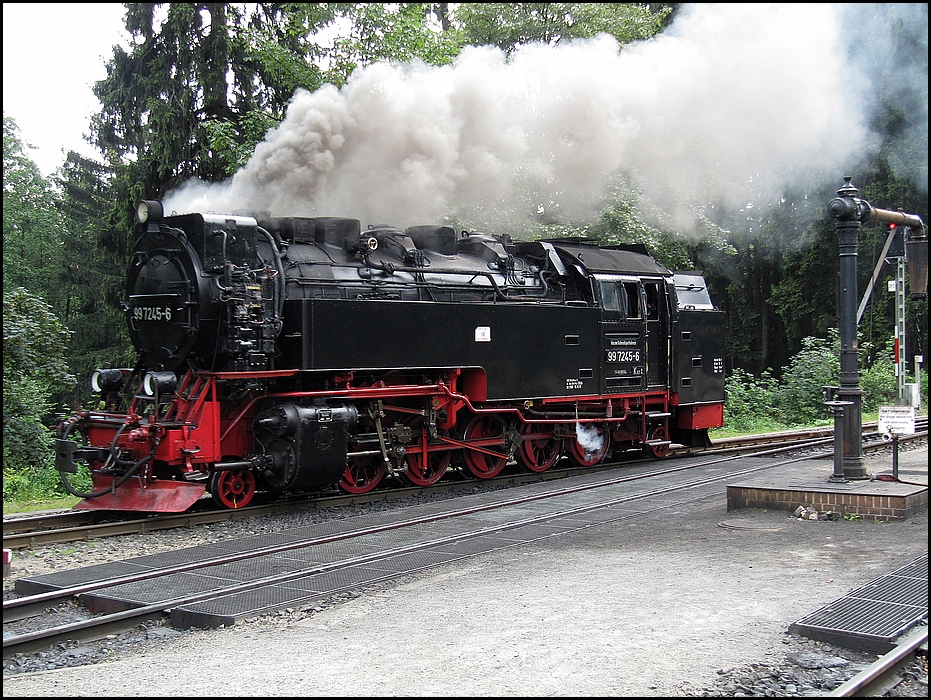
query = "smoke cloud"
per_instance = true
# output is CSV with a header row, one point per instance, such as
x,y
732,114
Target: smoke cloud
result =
x,y
732,102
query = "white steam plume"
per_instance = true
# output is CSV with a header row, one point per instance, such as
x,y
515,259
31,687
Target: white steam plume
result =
x,y
590,439
733,100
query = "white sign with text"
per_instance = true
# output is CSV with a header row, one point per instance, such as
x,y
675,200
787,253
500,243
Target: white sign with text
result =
x,y
897,420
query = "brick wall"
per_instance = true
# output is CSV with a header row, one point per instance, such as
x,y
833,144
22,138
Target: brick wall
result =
x,y
864,505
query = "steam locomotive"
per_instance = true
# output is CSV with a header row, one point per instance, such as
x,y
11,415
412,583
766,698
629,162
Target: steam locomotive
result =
x,y
298,354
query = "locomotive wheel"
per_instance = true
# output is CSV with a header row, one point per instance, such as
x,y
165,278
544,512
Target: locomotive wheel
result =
x,y
233,488
539,450
657,432
482,464
363,474
420,471
586,457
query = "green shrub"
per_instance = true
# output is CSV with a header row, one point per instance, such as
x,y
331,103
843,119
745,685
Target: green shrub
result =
x,y
879,385
749,405
39,484
800,399
766,404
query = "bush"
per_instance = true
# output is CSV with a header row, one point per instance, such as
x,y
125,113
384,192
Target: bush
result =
x,y
766,404
800,399
40,484
879,386
749,405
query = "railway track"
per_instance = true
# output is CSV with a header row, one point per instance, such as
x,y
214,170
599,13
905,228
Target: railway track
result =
x,y
649,489
20,532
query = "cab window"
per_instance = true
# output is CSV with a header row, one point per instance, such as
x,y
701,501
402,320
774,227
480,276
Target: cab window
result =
x,y
610,299
632,294
620,297
652,292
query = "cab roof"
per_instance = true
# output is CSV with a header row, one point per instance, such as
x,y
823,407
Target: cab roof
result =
x,y
621,259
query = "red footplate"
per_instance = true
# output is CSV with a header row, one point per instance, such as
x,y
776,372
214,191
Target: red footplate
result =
x,y
152,497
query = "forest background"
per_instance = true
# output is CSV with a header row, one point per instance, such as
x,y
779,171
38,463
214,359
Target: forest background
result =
x,y
202,85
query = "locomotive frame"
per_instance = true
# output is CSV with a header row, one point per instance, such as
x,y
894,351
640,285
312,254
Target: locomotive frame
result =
x,y
295,354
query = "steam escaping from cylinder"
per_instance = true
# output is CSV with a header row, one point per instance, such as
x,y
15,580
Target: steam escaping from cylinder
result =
x,y
590,439
731,103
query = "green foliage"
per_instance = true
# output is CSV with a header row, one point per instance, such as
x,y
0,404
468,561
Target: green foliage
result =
x,y
400,32
34,340
923,383
750,401
233,143
202,84
878,380
91,280
625,220
41,485
760,405
800,399
32,246
508,25
34,347
26,440
879,386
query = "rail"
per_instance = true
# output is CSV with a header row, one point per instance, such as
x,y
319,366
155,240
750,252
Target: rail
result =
x,y
876,678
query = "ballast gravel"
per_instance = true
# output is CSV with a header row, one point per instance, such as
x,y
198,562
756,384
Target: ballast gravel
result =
x,y
672,604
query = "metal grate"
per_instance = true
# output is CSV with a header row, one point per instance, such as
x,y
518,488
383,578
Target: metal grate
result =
x,y
872,617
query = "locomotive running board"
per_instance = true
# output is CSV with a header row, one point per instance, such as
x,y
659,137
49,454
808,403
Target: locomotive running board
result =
x,y
153,497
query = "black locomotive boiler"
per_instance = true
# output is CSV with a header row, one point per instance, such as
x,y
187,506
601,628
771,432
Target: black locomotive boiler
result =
x,y
287,355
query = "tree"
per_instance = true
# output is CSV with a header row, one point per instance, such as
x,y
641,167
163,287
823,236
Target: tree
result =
x,y
508,25
399,32
32,222
201,85
770,311
34,339
92,273
34,351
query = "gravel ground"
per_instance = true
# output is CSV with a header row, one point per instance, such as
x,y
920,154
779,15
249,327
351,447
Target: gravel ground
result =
x,y
667,605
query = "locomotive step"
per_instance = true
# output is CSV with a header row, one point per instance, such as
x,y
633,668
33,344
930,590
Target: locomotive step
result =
x,y
650,414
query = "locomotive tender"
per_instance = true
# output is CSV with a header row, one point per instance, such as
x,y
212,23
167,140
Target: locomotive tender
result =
x,y
287,355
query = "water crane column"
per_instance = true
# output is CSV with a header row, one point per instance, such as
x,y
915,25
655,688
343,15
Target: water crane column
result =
x,y
849,213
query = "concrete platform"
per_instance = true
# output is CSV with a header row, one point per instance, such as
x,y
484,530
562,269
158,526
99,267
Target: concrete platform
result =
x,y
807,484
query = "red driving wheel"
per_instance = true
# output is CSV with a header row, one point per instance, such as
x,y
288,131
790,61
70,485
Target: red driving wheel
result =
x,y
484,461
232,488
590,447
363,474
658,432
539,450
423,466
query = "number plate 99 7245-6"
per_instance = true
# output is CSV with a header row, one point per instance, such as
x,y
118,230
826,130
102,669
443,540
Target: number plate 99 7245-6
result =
x,y
152,313
624,356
